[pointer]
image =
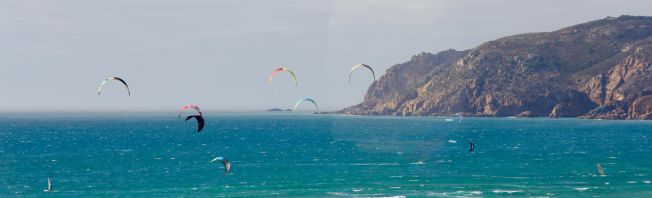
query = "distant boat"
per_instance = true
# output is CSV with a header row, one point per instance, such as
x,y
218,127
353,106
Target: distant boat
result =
x,y
448,120
49,186
600,170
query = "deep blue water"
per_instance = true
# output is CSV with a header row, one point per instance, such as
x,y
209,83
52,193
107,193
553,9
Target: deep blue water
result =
x,y
286,154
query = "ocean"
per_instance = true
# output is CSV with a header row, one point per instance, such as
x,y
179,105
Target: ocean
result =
x,y
282,154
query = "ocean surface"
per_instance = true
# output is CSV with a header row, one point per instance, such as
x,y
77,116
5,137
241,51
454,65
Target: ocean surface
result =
x,y
287,154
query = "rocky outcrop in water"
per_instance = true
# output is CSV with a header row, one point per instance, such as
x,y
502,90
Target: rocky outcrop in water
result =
x,y
278,109
600,69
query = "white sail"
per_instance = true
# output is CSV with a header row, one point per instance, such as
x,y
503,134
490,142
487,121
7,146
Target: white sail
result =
x,y
49,186
600,170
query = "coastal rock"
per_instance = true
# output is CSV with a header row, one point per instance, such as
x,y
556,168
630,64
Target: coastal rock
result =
x,y
278,109
524,114
641,108
598,69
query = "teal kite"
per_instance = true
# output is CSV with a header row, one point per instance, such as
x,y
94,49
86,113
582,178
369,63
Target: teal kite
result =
x,y
309,100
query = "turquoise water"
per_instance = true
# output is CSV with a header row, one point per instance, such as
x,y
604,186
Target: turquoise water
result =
x,y
285,154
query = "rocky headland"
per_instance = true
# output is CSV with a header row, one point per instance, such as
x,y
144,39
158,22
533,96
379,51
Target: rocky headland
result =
x,y
601,69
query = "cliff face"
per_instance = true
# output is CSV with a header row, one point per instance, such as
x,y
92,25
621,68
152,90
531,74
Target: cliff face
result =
x,y
600,69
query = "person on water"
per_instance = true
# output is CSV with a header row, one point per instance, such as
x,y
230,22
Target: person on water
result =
x,y
471,145
50,188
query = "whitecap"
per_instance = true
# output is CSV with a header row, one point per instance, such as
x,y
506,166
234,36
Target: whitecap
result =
x,y
506,191
459,193
418,163
341,194
581,189
374,164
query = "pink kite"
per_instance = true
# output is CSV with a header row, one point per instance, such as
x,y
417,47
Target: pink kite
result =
x,y
280,69
195,107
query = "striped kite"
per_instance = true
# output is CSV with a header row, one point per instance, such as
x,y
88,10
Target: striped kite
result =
x,y
359,66
309,100
190,106
280,69
225,162
99,90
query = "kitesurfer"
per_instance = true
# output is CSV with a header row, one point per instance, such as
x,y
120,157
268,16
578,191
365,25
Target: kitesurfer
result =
x,y
471,146
50,187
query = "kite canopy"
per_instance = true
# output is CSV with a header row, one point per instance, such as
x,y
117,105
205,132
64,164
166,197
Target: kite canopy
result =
x,y
225,162
99,90
306,99
359,66
190,106
280,69
200,121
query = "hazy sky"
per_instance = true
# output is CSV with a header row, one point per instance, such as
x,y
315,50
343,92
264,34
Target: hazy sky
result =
x,y
217,54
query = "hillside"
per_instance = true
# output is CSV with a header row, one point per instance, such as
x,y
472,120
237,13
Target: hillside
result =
x,y
600,69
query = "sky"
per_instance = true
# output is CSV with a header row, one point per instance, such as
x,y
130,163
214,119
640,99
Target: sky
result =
x,y
218,54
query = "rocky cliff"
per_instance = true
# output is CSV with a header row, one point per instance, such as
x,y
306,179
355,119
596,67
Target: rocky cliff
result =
x,y
599,69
